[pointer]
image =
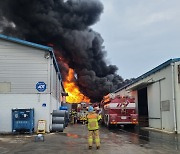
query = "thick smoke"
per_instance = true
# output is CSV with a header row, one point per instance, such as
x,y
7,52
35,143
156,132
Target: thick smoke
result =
x,y
66,25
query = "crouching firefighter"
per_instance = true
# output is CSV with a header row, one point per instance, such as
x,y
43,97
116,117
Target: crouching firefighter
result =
x,y
93,128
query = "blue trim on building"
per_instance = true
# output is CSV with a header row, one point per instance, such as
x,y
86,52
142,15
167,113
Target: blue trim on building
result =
x,y
35,45
154,70
9,38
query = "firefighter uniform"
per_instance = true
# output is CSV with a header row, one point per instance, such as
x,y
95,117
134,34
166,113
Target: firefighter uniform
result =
x,y
73,117
93,128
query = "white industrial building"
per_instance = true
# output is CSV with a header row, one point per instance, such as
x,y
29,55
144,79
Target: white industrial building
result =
x,y
157,95
29,78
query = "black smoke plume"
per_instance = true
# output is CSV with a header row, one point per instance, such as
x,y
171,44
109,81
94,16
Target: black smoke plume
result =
x,y
65,24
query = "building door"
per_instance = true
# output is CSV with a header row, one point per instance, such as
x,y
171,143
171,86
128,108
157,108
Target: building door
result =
x,y
154,104
143,107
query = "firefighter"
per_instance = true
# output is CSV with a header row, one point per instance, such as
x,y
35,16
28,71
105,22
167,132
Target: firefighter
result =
x,y
98,111
93,128
73,116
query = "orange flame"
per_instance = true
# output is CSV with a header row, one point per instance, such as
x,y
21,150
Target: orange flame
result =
x,y
74,94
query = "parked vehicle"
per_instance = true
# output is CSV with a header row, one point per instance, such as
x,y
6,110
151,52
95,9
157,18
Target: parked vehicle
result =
x,y
119,110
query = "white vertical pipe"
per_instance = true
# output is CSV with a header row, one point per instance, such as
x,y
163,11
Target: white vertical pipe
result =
x,y
173,97
50,104
160,102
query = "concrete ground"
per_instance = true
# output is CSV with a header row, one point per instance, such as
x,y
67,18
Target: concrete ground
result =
x,y
74,141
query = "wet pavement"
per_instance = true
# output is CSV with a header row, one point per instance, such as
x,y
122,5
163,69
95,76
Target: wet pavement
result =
x,y
74,140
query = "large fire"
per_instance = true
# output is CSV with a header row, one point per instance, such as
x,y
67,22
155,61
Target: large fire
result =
x,y
74,94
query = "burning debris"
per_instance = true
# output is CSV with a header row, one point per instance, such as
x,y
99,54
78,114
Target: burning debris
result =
x,y
65,24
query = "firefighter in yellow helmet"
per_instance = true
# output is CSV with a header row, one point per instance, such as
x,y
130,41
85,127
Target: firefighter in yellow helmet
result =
x,y
93,128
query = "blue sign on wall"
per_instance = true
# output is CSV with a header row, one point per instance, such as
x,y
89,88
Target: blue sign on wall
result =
x,y
41,86
44,105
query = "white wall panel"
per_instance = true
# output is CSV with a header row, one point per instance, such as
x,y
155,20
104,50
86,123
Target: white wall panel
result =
x,y
23,66
10,101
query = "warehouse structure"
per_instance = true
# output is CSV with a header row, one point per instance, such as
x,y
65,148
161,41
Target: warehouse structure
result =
x,y
157,95
29,79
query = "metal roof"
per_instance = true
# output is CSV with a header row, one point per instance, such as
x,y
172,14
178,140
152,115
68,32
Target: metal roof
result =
x,y
154,70
34,45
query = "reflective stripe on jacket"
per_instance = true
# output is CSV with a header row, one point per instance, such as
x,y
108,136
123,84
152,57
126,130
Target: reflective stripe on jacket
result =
x,y
92,121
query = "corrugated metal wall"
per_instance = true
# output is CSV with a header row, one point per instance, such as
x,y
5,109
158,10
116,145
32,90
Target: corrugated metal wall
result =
x,y
22,67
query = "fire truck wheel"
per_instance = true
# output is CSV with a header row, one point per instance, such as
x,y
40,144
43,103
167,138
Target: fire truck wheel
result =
x,y
109,126
105,120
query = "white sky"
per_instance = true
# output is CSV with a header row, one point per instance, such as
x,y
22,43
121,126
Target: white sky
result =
x,y
140,34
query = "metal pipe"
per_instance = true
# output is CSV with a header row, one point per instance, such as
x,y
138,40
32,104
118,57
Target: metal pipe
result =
x,y
173,98
50,81
59,113
160,102
57,127
58,120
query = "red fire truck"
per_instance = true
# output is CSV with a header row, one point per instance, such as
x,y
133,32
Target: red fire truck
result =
x,y
118,110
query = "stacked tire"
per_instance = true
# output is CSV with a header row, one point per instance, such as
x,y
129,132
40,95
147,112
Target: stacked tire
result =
x,y
59,120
